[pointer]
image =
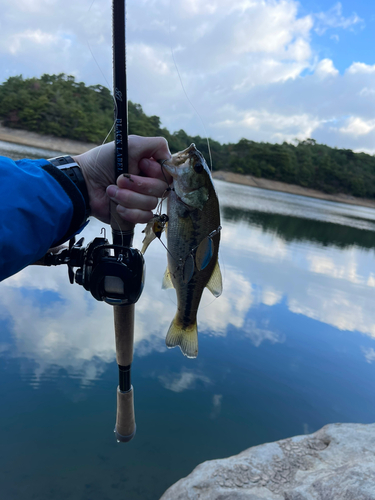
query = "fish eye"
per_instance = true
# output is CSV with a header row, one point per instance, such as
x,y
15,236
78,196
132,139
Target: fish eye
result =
x,y
198,167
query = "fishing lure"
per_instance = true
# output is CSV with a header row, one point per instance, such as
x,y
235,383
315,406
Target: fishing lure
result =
x,y
154,229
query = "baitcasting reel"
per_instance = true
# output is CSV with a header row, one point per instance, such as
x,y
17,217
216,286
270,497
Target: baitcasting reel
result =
x,y
112,273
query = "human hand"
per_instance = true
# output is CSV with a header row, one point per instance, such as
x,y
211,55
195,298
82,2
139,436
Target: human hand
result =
x,y
136,195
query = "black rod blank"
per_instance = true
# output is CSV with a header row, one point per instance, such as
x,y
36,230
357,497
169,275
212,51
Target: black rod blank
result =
x,y
119,87
124,373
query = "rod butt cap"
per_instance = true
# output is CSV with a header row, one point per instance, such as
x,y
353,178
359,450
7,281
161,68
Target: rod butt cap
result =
x,y
124,439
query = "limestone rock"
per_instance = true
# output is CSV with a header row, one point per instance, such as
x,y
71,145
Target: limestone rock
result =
x,y
335,463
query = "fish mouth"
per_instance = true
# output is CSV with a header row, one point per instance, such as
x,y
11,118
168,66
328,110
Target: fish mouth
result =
x,y
180,159
186,153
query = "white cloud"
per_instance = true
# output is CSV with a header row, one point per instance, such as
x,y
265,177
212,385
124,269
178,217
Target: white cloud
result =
x,y
369,354
357,126
326,68
20,41
361,68
365,92
270,296
36,6
333,18
248,67
283,126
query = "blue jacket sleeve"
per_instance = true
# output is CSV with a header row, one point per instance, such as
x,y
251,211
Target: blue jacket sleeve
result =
x,y
40,208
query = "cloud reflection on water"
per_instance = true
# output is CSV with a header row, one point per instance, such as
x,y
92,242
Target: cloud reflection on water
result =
x,y
332,284
217,400
186,379
71,330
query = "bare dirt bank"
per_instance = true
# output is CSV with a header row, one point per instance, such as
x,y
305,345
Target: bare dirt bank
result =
x,y
58,144
249,180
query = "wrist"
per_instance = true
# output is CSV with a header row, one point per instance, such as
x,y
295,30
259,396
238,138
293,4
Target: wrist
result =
x,y
72,170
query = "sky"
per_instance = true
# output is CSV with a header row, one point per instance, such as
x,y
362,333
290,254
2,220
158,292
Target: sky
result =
x,y
266,70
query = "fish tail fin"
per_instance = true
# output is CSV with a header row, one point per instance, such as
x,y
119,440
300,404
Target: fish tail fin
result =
x,y
185,338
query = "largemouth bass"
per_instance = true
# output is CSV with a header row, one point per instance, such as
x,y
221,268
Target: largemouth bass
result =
x,y
193,238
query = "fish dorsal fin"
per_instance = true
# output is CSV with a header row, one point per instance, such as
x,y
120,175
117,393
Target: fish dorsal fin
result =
x,y
215,285
167,280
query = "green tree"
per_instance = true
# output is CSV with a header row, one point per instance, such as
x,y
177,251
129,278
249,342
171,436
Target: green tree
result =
x,y
58,105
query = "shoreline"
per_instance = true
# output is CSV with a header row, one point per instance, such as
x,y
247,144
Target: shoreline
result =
x,y
58,144
249,180
71,147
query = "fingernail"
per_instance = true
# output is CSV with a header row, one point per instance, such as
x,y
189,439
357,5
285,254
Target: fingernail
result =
x,y
112,191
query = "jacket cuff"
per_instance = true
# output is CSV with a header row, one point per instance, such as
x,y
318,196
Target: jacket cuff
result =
x,y
79,206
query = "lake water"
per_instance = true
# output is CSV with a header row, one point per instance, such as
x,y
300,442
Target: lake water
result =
x,y
287,348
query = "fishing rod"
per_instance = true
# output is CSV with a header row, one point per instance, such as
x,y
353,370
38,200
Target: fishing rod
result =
x,y
113,273
122,232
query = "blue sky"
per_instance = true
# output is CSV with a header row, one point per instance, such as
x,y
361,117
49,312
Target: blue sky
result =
x,y
345,45
267,70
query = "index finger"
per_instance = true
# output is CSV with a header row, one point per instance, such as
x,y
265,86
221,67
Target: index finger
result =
x,y
149,186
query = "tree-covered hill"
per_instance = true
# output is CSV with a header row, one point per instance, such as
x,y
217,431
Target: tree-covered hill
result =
x,y
60,106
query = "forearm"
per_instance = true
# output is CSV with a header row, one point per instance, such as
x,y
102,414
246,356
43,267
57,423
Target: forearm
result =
x,y
40,207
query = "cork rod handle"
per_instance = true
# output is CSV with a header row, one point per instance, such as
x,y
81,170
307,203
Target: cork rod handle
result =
x,y
124,334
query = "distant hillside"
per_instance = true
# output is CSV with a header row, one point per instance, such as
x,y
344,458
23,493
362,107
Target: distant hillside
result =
x,y
60,106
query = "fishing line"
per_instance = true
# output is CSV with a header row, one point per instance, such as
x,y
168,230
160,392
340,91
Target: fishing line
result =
x,y
112,127
183,88
162,171
192,105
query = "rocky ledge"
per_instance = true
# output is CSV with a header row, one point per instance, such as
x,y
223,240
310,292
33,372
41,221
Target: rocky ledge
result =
x,y
335,463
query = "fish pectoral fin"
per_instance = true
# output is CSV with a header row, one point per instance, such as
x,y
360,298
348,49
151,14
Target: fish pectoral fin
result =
x,y
215,284
196,199
167,280
185,338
